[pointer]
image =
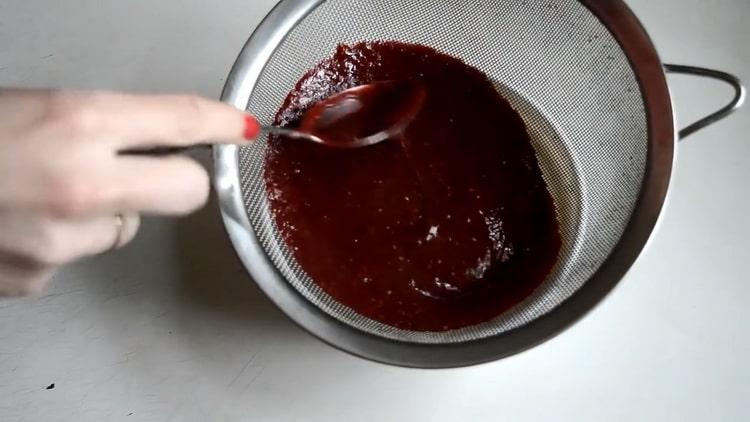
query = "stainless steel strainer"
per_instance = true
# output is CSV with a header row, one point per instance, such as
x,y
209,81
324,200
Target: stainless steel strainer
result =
x,y
592,90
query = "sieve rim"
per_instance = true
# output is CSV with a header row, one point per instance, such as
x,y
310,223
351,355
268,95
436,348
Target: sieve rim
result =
x,y
617,17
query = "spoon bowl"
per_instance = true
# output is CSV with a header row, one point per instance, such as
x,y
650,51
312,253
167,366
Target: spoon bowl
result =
x,y
363,115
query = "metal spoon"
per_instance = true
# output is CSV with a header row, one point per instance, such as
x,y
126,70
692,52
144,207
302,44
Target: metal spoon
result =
x,y
353,118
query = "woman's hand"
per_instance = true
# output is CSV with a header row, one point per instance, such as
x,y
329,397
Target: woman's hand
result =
x,y
65,193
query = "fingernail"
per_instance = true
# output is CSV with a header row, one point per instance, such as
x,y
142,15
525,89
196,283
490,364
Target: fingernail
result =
x,y
252,128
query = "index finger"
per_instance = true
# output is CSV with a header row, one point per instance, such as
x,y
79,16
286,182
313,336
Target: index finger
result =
x,y
179,120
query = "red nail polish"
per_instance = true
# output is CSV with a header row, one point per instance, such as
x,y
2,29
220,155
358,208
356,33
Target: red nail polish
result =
x,y
252,128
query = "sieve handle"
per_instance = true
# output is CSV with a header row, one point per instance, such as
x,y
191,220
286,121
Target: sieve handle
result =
x,y
735,104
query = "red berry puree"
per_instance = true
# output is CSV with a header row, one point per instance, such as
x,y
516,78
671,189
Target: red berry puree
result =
x,y
447,225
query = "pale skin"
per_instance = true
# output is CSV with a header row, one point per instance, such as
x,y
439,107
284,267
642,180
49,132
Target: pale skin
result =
x,y
63,183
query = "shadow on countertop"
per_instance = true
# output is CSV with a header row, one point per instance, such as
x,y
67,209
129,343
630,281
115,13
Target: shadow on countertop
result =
x,y
212,276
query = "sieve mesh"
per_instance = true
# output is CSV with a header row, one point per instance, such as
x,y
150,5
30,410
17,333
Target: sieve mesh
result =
x,y
560,69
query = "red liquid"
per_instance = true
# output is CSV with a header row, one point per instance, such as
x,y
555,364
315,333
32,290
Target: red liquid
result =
x,y
445,227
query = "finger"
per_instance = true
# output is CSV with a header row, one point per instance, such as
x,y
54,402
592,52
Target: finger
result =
x,y
168,186
53,242
175,185
146,120
93,236
75,239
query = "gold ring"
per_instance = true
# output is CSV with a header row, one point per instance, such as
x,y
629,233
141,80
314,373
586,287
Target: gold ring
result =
x,y
120,227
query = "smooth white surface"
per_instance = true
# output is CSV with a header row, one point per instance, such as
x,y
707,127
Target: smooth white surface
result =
x,y
172,329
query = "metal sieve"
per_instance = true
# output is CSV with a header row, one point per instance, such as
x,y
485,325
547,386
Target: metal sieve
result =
x,y
586,79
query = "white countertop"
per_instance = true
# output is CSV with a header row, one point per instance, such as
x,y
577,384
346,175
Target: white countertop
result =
x,y
172,328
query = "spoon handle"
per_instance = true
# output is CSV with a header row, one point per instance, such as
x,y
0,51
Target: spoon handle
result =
x,y
163,151
160,151
290,133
